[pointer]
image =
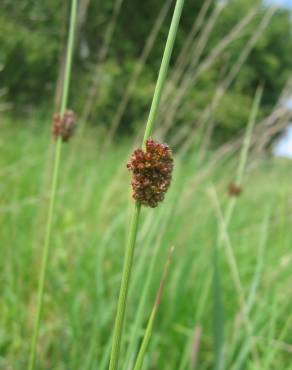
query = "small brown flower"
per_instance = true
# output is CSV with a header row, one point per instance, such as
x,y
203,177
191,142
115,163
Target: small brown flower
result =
x,y
151,173
234,190
63,126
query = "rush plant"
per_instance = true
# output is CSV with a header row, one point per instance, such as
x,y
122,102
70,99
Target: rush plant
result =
x,y
131,241
62,130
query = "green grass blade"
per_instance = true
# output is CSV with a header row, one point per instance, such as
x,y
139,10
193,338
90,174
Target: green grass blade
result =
x,y
45,256
218,313
149,328
248,135
163,69
117,335
162,221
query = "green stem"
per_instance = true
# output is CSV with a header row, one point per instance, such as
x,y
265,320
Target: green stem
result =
x,y
148,332
128,262
248,135
45,257
124,287
163,70
218,314
57,159
68,66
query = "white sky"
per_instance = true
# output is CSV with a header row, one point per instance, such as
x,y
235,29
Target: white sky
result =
x,y
284,146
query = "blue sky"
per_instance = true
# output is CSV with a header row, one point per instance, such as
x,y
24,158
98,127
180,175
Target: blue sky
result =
x,y
286,3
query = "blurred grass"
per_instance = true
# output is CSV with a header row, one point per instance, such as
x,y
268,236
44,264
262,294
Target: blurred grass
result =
x,y
87,248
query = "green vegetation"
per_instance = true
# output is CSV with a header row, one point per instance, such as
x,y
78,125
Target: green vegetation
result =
x,y
52,196
109,49
223,303
87,255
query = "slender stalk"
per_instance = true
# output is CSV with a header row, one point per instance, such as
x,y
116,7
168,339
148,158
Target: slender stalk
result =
x,y
218,314
163,70
162,220
45,255
248,135
149,328
69,57
130,246
124,286
242,160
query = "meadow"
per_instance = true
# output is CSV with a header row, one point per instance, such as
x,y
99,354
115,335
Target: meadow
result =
x,y
93,275
87,248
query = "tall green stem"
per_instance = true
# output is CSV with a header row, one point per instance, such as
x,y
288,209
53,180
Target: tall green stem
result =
x,y
148,332
163,70
70,46
218,310
45,255
130,246
124,287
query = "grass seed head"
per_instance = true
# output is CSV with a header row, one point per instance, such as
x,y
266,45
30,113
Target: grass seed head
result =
x,y
64,126
151,171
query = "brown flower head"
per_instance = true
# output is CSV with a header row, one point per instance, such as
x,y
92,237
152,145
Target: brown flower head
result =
x,y
64,126
234,190
151,170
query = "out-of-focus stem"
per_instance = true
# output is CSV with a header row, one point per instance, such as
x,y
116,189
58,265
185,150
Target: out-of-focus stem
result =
x,y
44,263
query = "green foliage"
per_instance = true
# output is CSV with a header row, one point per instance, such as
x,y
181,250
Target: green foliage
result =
x,y
32,39
87,254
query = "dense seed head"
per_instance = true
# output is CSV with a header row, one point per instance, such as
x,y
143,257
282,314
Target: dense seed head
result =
x,y
151,171
64,126
234,190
